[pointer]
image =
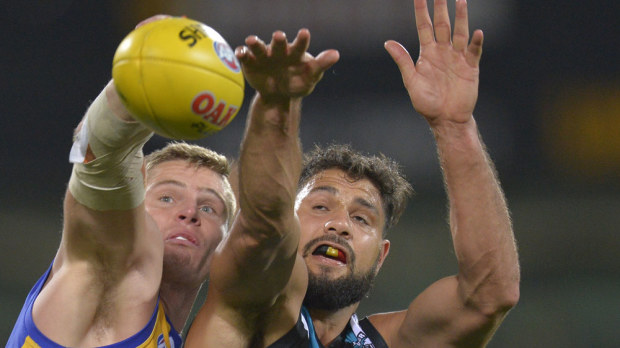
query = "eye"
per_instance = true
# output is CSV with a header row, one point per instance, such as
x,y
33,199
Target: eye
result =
x,y
360,219
207,209
319,207
166,199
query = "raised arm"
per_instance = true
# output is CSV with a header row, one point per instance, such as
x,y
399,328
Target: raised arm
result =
x,y
255,262
106,248
463,310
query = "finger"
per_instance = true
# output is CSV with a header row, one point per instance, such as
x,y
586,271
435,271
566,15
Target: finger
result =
x,y
153,19
402,58
442,22
423,22
278,44
474,50
243,54
461,26
300,45
327,58
256,46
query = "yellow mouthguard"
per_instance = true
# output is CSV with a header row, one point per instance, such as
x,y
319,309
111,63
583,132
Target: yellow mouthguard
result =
x,y
333,252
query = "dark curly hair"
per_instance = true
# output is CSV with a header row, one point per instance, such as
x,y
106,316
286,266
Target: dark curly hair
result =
x,y
382,171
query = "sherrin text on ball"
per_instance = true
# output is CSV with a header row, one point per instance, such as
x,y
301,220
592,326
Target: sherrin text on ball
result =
x,y
179,77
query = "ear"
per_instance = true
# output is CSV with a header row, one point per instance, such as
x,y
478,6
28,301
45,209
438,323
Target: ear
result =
x,y
383,253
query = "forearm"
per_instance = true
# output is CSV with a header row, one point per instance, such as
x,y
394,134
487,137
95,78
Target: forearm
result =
x,y
107,180
109,177
255,262
115,103
270,164
479,219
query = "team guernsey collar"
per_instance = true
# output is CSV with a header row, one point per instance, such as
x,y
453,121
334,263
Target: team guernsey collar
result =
x,y
353,333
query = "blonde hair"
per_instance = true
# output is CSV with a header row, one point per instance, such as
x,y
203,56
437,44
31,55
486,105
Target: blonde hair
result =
x,y
200,157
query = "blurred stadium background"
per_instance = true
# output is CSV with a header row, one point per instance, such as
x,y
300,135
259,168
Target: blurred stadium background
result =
x,y
549,111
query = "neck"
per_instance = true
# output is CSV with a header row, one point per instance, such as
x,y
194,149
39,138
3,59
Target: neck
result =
x,y
178,301
329,324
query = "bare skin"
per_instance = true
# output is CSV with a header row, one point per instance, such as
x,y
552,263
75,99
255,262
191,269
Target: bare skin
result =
x,y
262,269
254,264
106,277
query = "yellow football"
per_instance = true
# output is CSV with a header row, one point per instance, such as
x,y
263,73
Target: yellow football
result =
x,y
179,77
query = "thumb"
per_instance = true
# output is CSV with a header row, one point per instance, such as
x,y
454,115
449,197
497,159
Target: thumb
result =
x,y
327,58
401,57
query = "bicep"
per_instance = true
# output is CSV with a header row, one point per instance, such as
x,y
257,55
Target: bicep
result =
x,y
441,315
112,238
103,260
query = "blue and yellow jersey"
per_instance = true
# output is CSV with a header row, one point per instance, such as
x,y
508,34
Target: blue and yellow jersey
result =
x,y
158,332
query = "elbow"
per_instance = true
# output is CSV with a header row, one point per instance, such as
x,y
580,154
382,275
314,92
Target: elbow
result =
x,y
505,300
270,208
510,290
270,224
501,299
512,294
495,306
273,224
494,297
492,284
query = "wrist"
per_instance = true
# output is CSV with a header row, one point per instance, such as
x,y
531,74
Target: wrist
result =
x,y
452,131
107,172
116,104
282,114
273,101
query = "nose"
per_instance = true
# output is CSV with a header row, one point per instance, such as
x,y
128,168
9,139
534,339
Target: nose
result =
x,y
338,223
188,214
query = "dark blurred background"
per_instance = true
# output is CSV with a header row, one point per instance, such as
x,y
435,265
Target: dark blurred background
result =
x,y
549,111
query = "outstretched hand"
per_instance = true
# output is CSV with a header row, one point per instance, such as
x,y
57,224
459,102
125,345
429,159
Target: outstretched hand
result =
x,y
281,70
443,84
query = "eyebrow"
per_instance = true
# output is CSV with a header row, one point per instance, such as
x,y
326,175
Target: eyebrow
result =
x,y
329,189
334,191
169,182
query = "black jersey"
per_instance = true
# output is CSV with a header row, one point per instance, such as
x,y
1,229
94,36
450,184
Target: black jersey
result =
x,y
357,334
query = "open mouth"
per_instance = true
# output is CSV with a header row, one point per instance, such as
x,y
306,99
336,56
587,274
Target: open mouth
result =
x,y
183,239
330,253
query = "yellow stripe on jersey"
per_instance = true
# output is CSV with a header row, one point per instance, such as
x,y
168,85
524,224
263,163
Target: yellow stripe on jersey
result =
x,y
29,343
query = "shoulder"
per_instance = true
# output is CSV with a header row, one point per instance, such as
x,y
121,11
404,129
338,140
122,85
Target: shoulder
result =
x,y
24,329
297,336
387,325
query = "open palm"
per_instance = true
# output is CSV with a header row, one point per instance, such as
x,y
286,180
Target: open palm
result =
x,y
443,84
282,69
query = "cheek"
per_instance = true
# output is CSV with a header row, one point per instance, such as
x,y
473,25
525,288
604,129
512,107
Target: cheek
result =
x,y
309,221
214,232
308,228
368,253
150,208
